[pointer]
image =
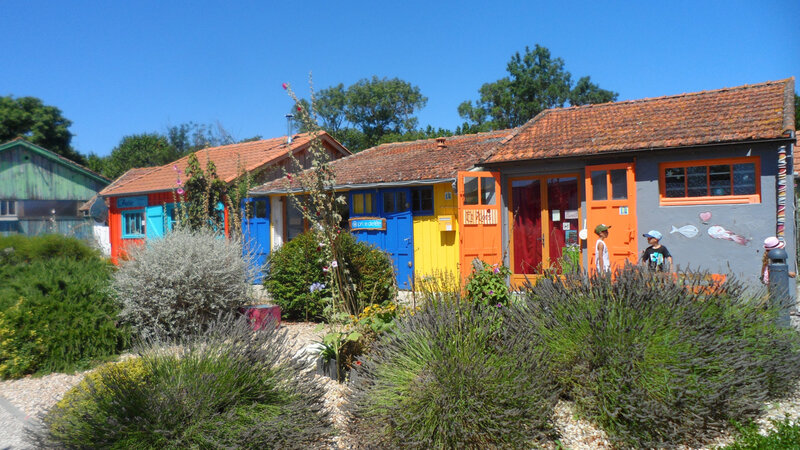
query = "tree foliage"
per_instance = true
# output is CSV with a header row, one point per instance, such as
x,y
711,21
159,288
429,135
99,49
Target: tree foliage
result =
x,y
43,125
137,150
157,149
367,112
536,81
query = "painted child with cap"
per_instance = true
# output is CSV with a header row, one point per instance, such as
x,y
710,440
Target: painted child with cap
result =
x,y
601,261
656,256
770,243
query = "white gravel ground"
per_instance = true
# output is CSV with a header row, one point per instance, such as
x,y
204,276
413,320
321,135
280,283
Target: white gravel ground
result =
x,y
24,399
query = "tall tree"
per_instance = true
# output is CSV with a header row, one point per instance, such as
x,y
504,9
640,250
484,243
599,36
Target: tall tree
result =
x,y
536,81
43,125
361,115
139,150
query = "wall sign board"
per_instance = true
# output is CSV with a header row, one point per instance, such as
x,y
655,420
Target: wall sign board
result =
x,y
138,201
368,223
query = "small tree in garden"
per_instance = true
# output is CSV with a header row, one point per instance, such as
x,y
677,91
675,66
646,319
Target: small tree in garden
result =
x,y
199,197
319,205
204,191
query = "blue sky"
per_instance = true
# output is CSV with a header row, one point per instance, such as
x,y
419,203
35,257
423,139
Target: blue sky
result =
x,y
118,68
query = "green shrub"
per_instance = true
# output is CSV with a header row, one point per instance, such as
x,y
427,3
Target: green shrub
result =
x,y
297,265
17,248
442,379
57,315
656,361
785,434
227,388
179,284
486,285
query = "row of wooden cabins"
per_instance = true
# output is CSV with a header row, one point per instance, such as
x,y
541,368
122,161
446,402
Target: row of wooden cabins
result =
x,y
712,170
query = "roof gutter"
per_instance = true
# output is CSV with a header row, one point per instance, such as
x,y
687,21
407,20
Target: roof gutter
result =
x,y
790,140
350,187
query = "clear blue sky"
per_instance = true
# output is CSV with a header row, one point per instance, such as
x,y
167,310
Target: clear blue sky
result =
x,y
122,67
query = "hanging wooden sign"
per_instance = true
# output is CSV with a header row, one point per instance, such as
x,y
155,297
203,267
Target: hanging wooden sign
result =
x,y
480,217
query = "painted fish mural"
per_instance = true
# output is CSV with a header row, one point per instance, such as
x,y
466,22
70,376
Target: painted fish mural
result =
x,y
718,232
689,231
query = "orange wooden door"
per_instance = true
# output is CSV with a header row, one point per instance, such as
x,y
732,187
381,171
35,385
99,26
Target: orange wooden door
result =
x,y
611,200
479,217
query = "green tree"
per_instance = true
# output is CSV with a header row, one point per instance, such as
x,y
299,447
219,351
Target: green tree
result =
x,y
139,150
365,113
536,81
43,125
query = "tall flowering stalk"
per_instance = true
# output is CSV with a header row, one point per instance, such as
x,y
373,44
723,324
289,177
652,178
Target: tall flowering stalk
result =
x,y
313,193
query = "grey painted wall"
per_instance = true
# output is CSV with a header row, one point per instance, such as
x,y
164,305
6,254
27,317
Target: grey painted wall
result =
x,y
753,221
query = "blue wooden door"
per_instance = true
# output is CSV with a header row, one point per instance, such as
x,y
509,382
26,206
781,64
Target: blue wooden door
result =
x,y
255,233
395,206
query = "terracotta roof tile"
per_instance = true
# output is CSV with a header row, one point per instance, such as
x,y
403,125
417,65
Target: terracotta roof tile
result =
x,y
750,112
407,161
228,159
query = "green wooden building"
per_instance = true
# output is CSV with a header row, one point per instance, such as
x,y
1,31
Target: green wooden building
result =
x,y
41,192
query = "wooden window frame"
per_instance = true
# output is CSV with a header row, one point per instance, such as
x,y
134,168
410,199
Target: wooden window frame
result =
x,y
710,199
420,211
131,212
9,216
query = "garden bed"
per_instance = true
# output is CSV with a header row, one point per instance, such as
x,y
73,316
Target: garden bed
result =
x,y
34,395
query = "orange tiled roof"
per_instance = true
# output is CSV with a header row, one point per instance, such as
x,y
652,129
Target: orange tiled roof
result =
x,y
750,112
127,176
407,161
229,159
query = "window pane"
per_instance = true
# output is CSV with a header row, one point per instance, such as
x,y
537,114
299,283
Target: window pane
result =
x,y
599,185
487,191
674,179
261,209
416,202
697,182
402,201
426,202
619,184
12,208
744,179
294,217
470,190
368,203
388,202
719,178
3,210
358,203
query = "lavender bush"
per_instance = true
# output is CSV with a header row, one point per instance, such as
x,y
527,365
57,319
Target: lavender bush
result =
x,y
177,285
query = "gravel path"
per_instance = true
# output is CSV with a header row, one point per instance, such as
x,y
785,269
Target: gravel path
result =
x,y
24,399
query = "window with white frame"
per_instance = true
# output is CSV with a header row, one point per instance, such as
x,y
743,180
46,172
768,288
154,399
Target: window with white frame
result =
x,y
8,209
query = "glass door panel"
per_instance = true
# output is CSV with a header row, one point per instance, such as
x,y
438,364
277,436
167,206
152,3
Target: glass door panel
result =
x,y
527,227
562,202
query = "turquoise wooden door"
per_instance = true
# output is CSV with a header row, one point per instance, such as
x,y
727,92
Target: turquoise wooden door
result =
x,y
154,220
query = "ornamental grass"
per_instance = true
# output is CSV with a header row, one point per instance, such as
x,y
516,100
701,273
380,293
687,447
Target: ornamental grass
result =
x,y
227,388
658,360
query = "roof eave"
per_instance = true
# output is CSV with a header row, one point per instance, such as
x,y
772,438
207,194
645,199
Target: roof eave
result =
x,y
643,149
